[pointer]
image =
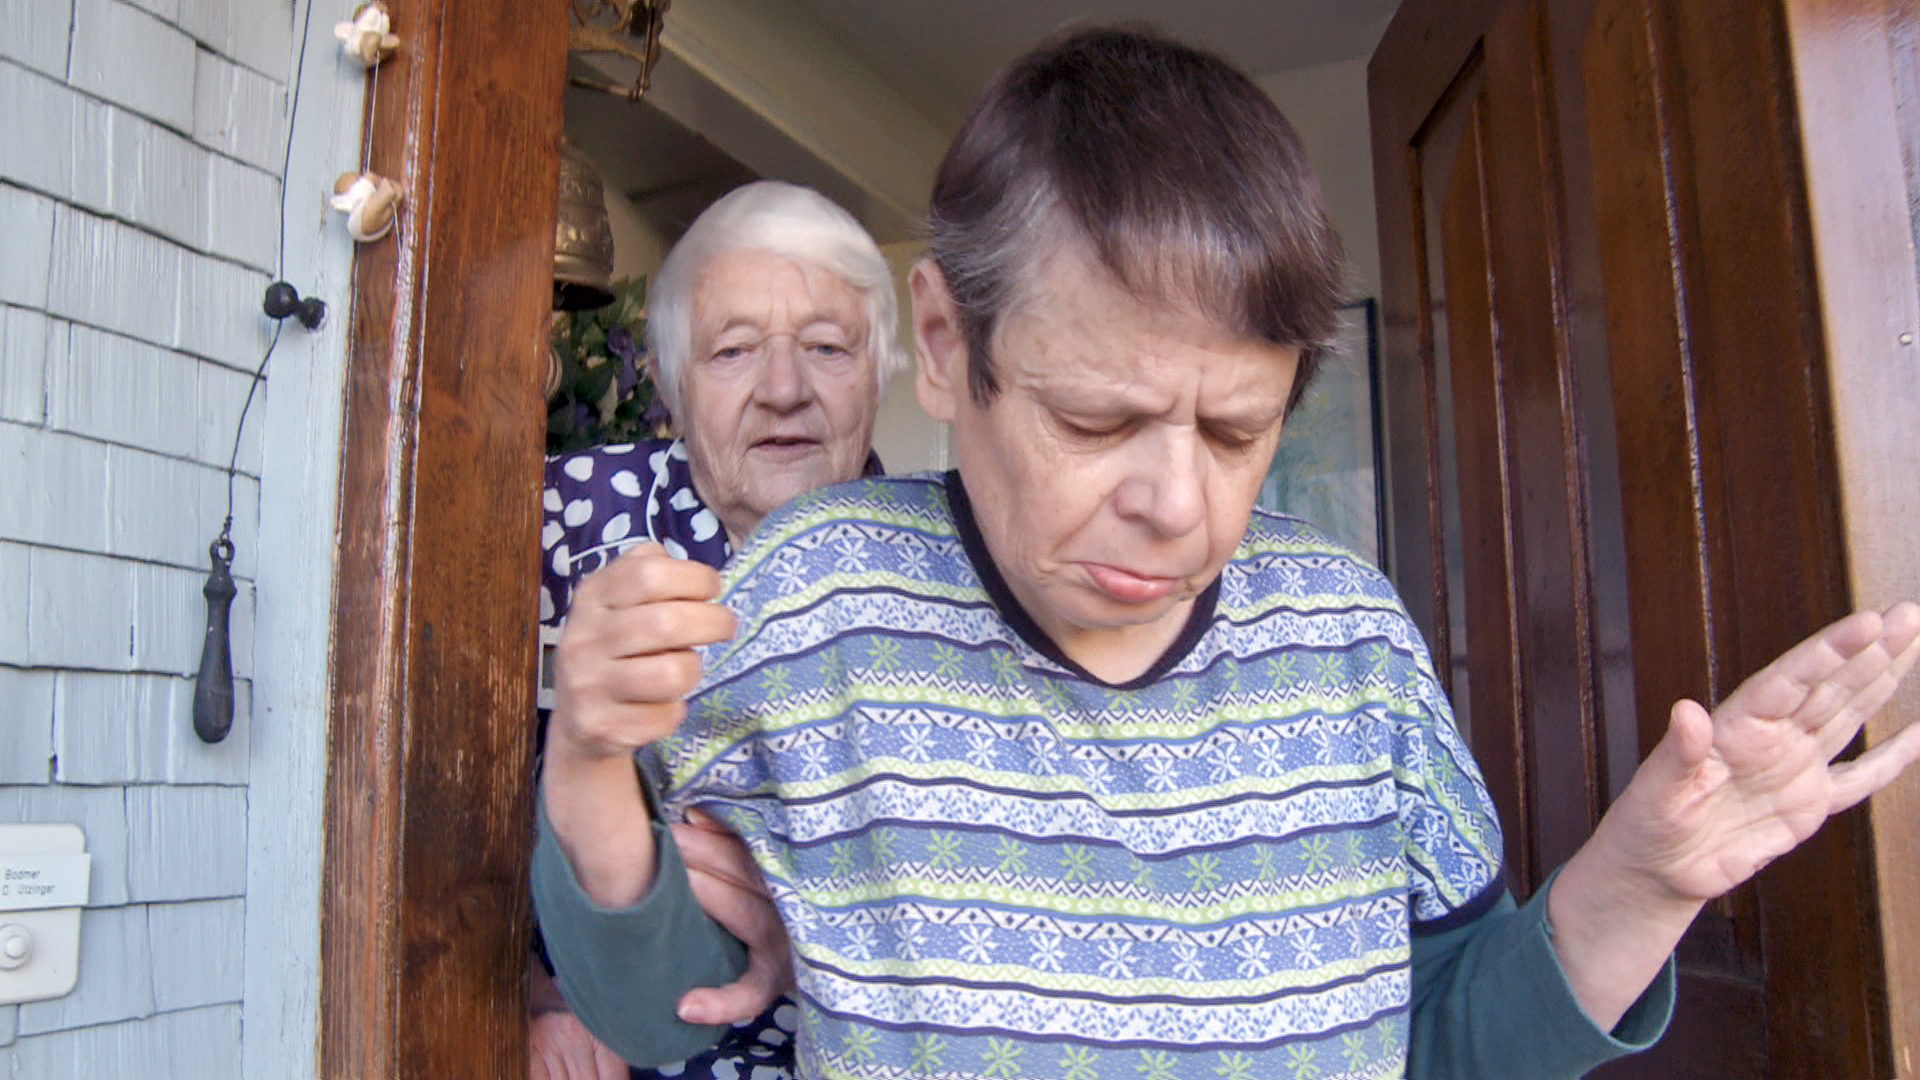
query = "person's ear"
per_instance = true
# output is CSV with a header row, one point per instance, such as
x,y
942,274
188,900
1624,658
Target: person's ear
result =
x,y
938,341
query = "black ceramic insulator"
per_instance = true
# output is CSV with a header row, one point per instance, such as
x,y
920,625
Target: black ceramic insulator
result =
x,y
281,300
284,301
213,688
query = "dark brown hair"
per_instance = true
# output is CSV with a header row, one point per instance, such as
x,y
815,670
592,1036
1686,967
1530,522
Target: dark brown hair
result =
x,y
1179,173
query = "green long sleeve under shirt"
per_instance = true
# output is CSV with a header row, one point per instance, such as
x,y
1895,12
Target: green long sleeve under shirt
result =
x,y
1490,1000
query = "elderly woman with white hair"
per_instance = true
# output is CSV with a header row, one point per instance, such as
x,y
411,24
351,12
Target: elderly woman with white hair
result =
x,y
771,335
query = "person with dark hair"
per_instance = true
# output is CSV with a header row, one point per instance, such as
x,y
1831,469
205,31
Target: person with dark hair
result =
x,y
1070,763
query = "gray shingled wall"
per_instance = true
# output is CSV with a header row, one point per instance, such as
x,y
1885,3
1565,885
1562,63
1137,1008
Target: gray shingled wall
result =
x,y
140,146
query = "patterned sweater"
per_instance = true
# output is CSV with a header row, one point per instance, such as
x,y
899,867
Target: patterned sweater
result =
x,y
992,864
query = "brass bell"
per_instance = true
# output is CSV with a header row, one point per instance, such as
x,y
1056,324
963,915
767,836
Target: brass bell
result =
x,y
582,236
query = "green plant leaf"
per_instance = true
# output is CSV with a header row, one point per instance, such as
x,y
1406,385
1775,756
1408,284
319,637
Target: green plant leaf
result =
x,y
577,338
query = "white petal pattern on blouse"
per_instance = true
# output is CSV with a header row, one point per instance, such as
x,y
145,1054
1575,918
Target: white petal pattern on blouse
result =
x,y
705,525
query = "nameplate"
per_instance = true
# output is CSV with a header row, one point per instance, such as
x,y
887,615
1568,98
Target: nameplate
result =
x,y
30,882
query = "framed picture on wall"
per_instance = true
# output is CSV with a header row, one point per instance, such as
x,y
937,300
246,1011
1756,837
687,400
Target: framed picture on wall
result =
x,y
1327,467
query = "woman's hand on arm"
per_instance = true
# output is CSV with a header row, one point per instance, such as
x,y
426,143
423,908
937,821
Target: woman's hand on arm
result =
x,y
625,665
1723,794
559,1046
731,891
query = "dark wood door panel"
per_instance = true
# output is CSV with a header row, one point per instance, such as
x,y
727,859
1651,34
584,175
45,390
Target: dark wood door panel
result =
x,y
1642,196
1540,399
1645,214
1417,128
1495,703
1506,558
1730,517
1621,238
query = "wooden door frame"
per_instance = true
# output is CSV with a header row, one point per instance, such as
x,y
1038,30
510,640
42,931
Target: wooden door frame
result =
x,y
425,915
1858,101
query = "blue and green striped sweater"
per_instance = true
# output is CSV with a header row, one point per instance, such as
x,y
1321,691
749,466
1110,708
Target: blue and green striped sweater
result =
x,y
994,865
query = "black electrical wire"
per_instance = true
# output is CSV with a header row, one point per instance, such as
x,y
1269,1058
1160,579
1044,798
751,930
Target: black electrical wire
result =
x,y
279,263
286,158
213,696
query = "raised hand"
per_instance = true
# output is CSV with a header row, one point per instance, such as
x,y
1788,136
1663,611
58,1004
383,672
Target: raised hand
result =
x,y
729,888
626,659
625,665
1725,793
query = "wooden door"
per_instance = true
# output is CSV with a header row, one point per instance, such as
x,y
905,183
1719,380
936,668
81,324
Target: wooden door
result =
x,y
1611,450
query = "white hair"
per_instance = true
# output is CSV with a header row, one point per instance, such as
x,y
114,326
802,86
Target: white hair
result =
x,y
788,220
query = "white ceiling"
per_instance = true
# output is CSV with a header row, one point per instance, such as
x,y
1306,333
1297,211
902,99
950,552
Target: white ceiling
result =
x,y
939,52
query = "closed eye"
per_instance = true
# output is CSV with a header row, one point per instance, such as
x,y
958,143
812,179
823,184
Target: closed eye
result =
x,y
1228,437
1090,432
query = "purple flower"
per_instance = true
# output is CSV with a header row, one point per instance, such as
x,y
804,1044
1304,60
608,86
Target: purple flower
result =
x,y
620,341
629,374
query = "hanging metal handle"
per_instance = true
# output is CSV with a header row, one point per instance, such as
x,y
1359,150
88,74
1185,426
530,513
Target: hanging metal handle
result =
x,y
213,688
